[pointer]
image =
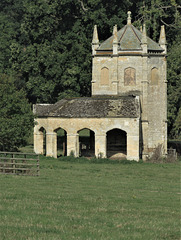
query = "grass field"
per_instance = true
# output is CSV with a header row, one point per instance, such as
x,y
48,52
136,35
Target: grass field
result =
x,y
86,200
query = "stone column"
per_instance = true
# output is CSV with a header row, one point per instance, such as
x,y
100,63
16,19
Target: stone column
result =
x,y
144,103
38,143
92,140
114,79
145,139
133,148
100,146
73,144
51,144
165,103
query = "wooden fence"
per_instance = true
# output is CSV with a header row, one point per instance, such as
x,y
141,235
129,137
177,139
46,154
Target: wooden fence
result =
x,y
19,163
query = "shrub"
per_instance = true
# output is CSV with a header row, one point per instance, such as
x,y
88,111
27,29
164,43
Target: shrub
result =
x,y
157,156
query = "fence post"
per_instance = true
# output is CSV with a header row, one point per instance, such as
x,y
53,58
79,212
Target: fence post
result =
x,y
5,161
13,161
4,164
38,167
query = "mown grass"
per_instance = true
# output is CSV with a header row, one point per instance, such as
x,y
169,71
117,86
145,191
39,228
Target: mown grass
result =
x,y
82,199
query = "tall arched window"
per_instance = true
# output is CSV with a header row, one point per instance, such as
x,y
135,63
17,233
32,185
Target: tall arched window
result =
x,y
104,76
154,76
129,76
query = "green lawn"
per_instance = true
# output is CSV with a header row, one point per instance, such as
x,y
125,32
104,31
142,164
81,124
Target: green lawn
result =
x,y
83,200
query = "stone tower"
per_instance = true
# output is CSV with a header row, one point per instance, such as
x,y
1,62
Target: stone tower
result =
x,y
129,63
126,116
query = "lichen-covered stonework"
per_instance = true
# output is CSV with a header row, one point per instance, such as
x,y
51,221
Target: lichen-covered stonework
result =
x,y
129,92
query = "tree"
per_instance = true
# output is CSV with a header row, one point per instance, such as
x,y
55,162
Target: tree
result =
x,y
16,117
174,89
54,53
155,13
10,21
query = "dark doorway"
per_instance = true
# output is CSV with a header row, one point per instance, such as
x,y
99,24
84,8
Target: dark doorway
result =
x,y
116,143
86,143
61,142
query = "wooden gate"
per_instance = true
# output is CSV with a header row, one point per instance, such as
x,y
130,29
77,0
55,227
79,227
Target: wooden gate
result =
x,y
19,163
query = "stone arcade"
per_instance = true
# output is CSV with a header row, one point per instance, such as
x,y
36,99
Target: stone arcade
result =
x,y
127,113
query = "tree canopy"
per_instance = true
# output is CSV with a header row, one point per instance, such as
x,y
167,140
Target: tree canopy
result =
x,y
174,88
16,117
46,44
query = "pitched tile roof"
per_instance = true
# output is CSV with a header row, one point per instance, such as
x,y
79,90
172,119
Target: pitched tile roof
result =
x,y
90,108
129,38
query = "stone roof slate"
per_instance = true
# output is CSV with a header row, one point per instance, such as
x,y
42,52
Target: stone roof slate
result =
x,y
129,38
125,107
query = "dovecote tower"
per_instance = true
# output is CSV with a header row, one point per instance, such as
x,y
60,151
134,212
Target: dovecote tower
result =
x,y
126,117
129,63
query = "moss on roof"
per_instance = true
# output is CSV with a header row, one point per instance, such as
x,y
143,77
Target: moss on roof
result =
x,y
129,38
127,107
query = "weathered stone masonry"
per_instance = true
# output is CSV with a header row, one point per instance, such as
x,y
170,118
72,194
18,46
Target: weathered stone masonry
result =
x,y
129,93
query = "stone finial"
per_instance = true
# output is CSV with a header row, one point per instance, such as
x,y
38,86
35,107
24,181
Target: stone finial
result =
x,y
115,36
162,36
129,17
144,40
141,29
115,40
162,40
144,30
95,39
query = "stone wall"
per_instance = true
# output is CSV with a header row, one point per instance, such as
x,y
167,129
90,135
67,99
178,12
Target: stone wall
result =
x,y
100,126
143,75
157,104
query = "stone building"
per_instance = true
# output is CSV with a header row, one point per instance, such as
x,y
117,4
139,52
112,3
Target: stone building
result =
x,y
127,113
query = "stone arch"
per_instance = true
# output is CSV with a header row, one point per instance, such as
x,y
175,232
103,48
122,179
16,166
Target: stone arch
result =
x,y
154,76
116,143
86,142
129,76
61,142
104,76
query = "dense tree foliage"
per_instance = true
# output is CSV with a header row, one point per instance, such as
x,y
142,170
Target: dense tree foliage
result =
x,y
16,117
174,88
46,44
53,54
159,12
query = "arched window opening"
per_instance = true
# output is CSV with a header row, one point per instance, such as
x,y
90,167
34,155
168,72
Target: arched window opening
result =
x,y
154,76
42,140
61,142
86,143
116,144
129,77
104,76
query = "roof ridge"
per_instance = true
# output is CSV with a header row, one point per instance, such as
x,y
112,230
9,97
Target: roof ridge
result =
x,y
132,27
123,33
